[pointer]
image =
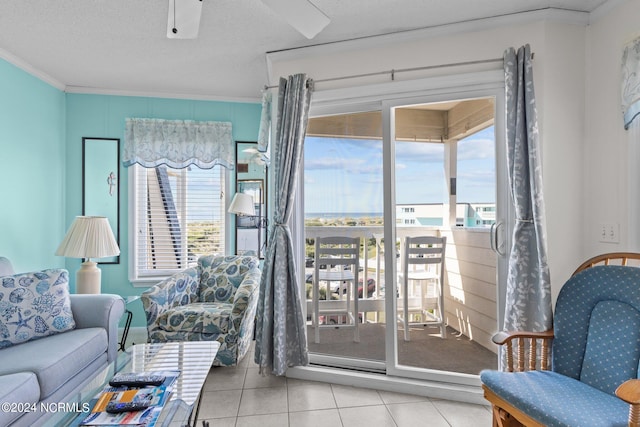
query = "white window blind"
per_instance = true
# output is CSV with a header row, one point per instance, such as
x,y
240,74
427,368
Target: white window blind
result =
x,y
178,215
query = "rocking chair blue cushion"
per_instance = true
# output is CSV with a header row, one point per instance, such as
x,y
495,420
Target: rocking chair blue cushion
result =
x,y
596,347
557,400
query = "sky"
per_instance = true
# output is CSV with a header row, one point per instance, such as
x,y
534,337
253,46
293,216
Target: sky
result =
x,y
345,175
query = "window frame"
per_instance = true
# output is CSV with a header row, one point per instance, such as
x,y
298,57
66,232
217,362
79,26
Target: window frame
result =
x,y
146,278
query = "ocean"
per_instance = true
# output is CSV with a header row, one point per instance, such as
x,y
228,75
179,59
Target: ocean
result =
x,y
335,215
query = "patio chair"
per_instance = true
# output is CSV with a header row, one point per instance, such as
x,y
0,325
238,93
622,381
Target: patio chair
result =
x,y
337,261
421,282
215,300
591,377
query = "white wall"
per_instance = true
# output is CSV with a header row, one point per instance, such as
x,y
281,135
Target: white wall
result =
x,y
606,153
558,40
561,104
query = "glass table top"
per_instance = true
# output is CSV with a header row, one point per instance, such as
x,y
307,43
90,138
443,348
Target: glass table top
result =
x,y
193,360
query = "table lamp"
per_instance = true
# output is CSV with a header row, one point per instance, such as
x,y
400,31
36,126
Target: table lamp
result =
x,y
89,237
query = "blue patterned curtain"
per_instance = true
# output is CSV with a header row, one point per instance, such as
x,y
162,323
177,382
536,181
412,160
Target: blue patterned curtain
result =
x,y
528,301
631,82
264,132
281,336
178,143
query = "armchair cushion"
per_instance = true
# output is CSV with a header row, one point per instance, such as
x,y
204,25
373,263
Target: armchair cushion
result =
x,y
557,400
34,305
220,277
216,300
613,346
202,317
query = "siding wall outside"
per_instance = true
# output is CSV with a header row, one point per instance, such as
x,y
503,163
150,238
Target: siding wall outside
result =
x,y
470,285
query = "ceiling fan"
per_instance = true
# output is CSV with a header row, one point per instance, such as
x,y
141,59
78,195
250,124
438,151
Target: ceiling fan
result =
x,y
257,157
183,21
302,15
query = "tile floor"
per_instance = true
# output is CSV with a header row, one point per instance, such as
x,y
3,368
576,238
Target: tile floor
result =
x,y
241,397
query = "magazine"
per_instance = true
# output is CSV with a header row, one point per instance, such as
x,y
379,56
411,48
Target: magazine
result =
x,y
138,418
154,396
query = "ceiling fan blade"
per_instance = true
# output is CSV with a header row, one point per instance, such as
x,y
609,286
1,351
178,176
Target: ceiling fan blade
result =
x,y
183,21
302,15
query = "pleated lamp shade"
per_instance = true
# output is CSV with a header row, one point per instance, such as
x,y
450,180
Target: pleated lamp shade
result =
x,y
89,237
242,204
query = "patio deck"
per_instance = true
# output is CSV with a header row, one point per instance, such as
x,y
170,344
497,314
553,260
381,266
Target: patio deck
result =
x,y
456,353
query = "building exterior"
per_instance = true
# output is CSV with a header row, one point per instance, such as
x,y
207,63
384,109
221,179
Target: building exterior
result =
x,y
432,214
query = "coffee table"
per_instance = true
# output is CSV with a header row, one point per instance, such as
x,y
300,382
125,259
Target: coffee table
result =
x,y
192,358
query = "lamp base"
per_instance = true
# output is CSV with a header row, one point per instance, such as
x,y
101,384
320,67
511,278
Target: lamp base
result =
x,y
88,278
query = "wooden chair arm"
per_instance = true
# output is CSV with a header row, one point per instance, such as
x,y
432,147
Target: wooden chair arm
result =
x,y
629,391
525,340
503,337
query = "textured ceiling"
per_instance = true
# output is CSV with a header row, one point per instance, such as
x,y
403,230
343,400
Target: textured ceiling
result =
x,y
121,45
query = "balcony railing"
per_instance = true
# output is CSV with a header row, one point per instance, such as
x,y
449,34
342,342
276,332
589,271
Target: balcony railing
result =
x,y
470,274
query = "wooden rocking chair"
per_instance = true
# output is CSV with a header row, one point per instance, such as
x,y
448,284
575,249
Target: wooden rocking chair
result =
x,y
594,350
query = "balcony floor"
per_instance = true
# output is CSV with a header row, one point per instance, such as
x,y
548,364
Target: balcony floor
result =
x,y
427,349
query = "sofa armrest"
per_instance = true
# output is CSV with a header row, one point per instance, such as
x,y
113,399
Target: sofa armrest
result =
x,y
244,299
179,289
99,311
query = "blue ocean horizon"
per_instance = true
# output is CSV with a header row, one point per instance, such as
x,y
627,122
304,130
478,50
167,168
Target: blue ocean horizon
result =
x,y
334,215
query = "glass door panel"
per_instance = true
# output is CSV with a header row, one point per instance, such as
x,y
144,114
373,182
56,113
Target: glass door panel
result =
x,y
343,197
445,188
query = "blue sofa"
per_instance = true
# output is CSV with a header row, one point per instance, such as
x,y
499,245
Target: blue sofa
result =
x,y
52,368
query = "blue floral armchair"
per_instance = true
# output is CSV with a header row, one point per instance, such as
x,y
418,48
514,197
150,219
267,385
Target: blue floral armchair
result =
x,y
215,300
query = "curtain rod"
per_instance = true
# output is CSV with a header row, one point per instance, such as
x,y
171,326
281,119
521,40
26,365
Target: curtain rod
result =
x,y
404,70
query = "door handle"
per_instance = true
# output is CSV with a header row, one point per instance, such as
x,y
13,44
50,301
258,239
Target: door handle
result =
x,y
495,242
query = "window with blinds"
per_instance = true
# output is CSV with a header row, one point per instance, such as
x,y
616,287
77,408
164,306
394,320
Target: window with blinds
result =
x,y
177,216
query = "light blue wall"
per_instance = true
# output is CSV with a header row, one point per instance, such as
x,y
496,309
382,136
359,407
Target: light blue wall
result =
x,y
41,130
32,177
104,116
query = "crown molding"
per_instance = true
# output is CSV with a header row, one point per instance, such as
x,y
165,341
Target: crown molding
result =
x,y
30,69
169,95
46,78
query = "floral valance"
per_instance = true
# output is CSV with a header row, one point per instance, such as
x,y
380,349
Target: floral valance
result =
x,y
631,82
178,143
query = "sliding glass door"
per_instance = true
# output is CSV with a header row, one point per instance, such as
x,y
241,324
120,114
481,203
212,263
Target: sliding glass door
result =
x,y
430,166
343,197
441,170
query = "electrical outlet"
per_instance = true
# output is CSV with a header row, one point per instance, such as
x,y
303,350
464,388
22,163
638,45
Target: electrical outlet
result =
x,y
609,232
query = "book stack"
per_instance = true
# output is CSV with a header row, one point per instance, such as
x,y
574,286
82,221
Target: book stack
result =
x,y
132,400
